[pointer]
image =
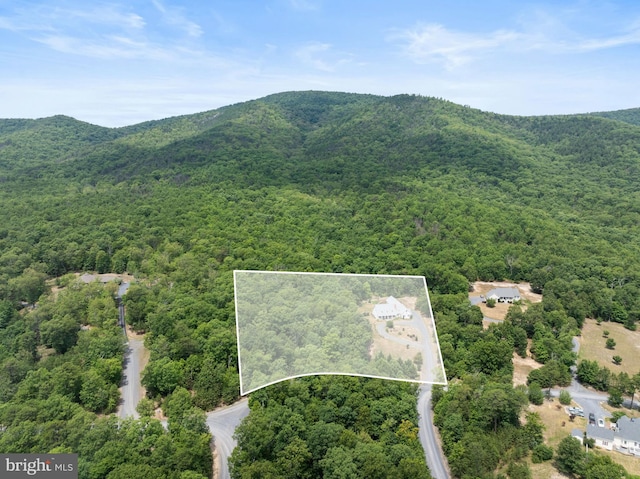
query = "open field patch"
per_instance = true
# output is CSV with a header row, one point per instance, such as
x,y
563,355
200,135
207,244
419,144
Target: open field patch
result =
x,y
522,367
592,346
556,421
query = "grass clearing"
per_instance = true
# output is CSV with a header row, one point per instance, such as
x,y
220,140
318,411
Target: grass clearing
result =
x,y
546,469
556,421
523,366
499,312
592,346
627,412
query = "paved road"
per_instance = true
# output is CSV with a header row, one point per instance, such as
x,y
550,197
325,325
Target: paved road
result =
x,y
588,399
431,368
131,389
435,458
491,320
222,424
381,327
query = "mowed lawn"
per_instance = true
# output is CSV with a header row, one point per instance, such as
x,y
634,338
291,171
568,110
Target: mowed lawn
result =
x,y
592,346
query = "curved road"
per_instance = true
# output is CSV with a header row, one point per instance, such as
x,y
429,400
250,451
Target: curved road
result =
x,y
222,424
381,327
436,461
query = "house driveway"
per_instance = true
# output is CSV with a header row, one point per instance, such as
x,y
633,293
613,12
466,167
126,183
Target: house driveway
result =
x,y
589,399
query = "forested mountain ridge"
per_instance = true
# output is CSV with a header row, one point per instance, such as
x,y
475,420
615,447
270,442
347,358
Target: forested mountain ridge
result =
x,y
303,181
631,115
315,136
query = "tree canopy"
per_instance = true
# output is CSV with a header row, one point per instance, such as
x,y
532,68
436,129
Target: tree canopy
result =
x,y
304,181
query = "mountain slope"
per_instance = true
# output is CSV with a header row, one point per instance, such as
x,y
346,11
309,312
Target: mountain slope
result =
x,y
303,181
631,115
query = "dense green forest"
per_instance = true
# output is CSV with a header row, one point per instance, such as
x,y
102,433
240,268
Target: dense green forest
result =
x,y
306,181
299,324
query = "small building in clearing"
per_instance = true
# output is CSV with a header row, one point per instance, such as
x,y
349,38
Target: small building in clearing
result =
x,y
504,295
391,309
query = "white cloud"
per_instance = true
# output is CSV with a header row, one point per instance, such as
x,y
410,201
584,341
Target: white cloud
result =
x,y
110,47
435,43
175,17
321,56
432,42
108,31
50,18
631,38
309,54
102,15
23,23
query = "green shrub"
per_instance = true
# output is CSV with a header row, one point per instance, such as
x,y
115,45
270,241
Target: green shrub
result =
x,y
541,453
518,470
615,415
565,397
535,394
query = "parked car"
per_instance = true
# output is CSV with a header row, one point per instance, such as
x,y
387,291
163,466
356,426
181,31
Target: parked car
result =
x,y
575,411
592,418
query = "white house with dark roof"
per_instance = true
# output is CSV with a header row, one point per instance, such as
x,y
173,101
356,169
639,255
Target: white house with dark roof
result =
x,y
623,437
391,309
603,437
627,436
504,295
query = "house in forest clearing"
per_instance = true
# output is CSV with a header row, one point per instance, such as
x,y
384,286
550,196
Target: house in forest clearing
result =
x,y
392,309
503,295
627,436
88,278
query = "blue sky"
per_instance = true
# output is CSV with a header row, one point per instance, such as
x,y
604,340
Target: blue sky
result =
x,y
118,63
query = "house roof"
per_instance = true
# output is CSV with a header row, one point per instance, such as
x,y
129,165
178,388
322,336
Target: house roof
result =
x,y
392,307
596,432
504,293
102,278
577,433
628,429
380,310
